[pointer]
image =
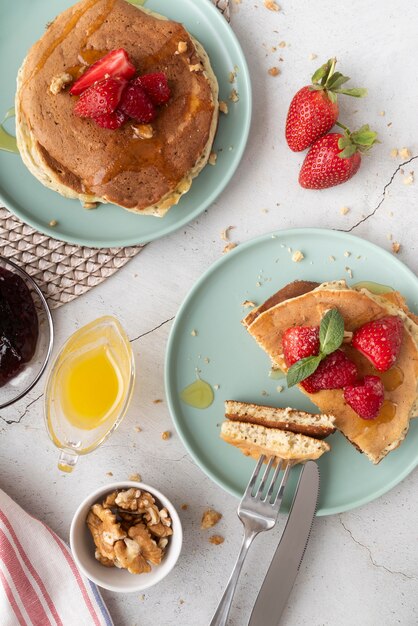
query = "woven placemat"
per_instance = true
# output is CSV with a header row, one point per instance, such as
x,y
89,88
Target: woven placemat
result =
x,y
64,271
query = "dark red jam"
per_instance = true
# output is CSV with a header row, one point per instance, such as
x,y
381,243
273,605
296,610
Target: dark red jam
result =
x,y
18,325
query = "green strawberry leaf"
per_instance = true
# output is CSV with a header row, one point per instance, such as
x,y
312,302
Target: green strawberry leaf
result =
x,y
356,92
336,81
331,332
302,369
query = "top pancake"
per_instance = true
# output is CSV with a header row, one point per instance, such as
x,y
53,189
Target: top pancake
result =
x,y
373,437
86,161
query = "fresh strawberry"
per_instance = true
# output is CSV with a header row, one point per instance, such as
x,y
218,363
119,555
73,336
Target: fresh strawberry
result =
x,y
136,104
115,64
380,341
366,397
155,86
300,342
111,121
335,158
314,109
334,372
101,98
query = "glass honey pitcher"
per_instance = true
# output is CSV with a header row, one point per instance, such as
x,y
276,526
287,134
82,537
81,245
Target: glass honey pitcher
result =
x,y
89,389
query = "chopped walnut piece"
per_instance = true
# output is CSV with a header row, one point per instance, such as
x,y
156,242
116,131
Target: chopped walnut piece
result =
x,y
282,44
136,477
225,233
210,518
223,107
271,5
143,131
159,530
394,153
53,223
105,530
233,96
297,256
229,246
274,71
231,77
194,333
128,556
248,304
396,246
197,67
59,82
148,546
166,435
90,205
408,180
182,47
404,153
216,540
344,210
212,158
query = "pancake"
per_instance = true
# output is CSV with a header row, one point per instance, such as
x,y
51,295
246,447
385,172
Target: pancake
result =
x,y
254,440
75,157
373,437
313,425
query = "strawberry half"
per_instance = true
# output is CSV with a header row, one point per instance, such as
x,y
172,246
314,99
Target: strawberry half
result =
x,y
136,104
155,86
111,121
334,372
101,98
300,342
380,341
366,397
115,64
335,158
314,109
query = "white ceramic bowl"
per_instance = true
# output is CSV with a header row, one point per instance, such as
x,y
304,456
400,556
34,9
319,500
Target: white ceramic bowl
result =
x,y
113,578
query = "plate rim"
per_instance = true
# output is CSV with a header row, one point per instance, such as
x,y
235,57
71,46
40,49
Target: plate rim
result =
x,y
247,99
169,353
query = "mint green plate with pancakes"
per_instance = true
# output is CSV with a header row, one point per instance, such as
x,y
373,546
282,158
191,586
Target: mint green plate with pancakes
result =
x,y
21,24
207,336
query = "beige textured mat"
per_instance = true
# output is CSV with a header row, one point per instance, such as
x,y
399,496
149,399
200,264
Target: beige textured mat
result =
x,y
62,270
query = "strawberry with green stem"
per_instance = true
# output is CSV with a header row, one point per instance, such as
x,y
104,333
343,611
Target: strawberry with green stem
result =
x,y
335,158
314,109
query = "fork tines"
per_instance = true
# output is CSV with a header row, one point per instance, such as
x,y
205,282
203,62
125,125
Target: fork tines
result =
x,y
273,496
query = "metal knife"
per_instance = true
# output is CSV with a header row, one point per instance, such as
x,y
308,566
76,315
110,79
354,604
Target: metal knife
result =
x,y
287,559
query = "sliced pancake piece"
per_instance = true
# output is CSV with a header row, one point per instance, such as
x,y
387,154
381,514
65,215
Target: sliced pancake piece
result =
x,y
313,425
373,437
254,440
297,288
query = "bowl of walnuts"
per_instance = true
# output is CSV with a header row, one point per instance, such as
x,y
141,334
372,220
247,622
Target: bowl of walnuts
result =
x,y
126,536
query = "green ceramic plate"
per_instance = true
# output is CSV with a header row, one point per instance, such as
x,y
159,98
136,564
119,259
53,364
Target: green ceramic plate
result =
x,y
227,356
21,24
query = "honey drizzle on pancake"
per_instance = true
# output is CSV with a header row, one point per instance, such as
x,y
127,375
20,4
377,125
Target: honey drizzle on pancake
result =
x,y
71,24
392,379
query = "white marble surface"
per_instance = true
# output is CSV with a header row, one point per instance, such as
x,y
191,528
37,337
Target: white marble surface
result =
x,y
361,567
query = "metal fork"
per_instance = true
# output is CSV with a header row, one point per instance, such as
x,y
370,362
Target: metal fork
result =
x,y
257,513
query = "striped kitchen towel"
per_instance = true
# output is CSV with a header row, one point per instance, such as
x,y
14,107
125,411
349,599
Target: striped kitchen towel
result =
x,y
40,584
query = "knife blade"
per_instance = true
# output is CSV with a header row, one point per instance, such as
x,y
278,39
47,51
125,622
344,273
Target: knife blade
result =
x,y
287,559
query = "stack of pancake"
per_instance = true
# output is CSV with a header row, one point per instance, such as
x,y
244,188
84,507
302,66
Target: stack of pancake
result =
x,y
75,157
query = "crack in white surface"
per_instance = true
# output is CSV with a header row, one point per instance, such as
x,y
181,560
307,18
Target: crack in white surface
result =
x,y
381,201
148,332
372,560
25,412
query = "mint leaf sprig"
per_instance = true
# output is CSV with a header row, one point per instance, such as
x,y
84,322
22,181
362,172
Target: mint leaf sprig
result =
x,y
331,335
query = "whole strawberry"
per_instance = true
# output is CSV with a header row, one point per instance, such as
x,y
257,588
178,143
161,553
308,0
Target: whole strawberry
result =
x,y
335,158
334,372
300,342
380,341
314,109
366,397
